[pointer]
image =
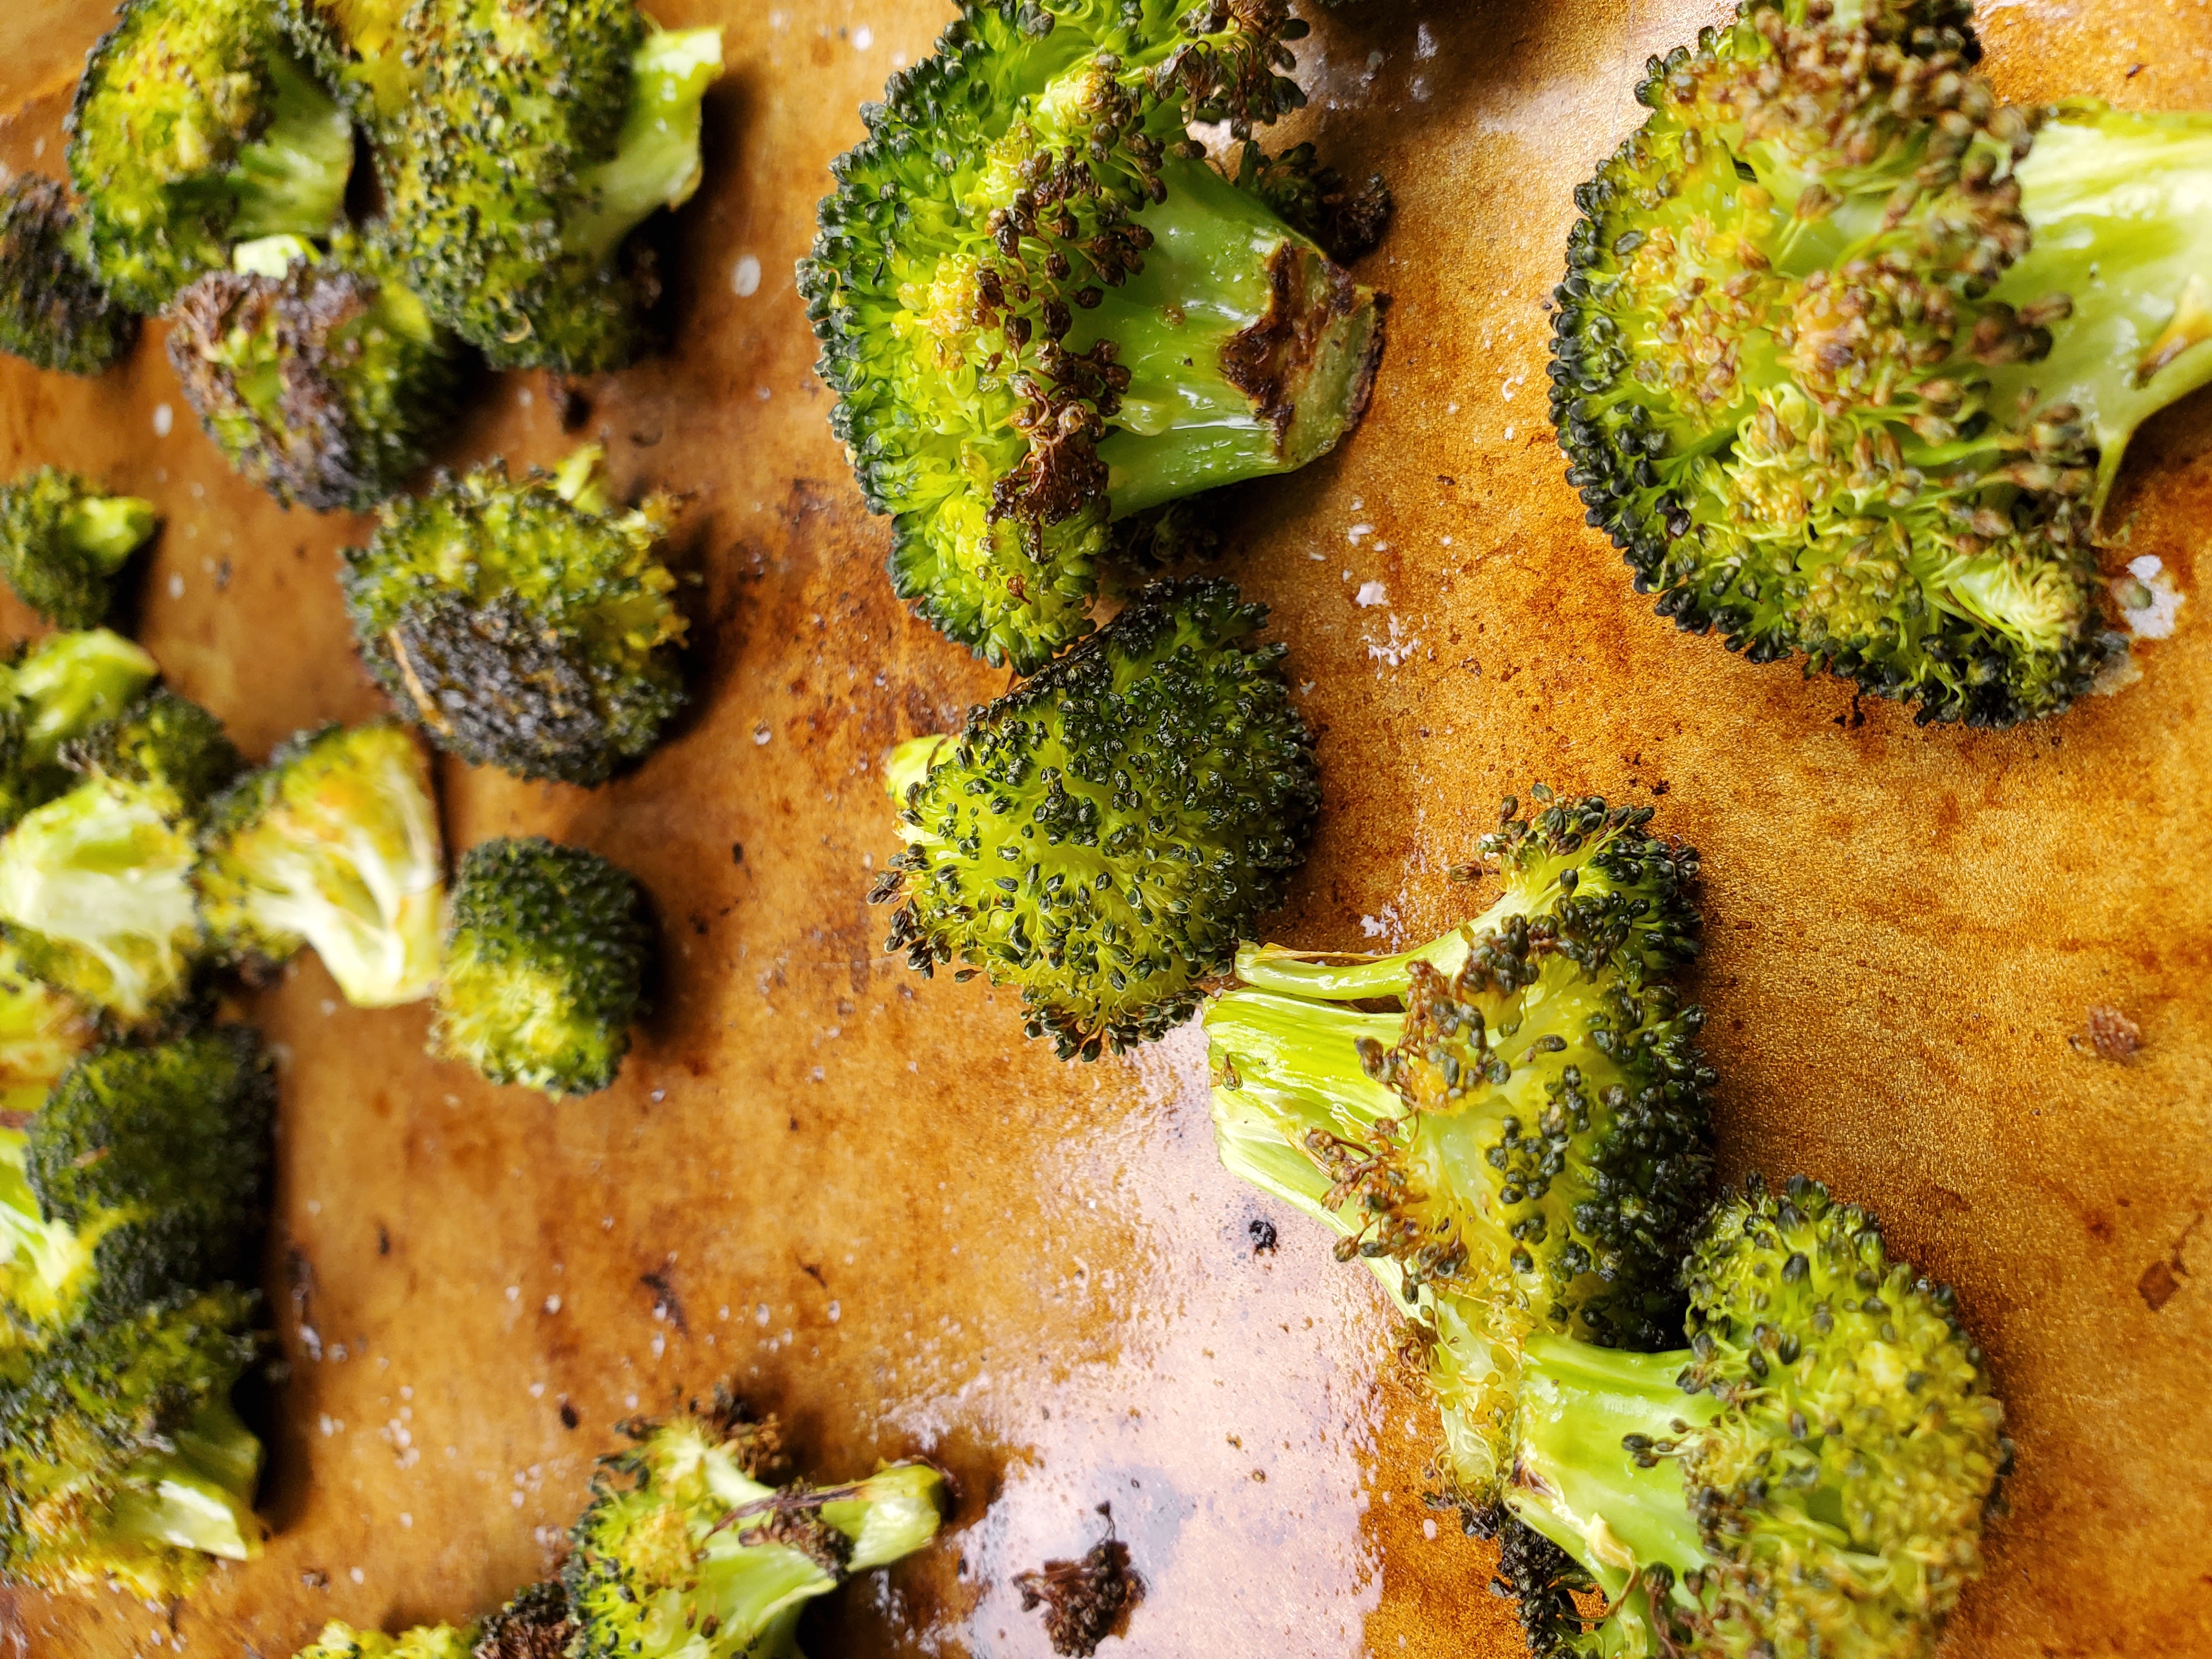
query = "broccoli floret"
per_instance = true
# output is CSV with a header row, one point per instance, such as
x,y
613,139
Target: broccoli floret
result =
x,y
1314,199
519,148
1519,1144
685,1550
53,312
42,1033
340,1640
121,1459
62,543
528,626
1811,1475
335,843
535,1624
194,129
325,380
1041,310
544,966
140,1175
51,696
95,886
1848,353
1103,835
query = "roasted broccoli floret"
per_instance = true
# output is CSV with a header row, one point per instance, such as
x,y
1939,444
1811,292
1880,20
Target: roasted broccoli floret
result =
x,y
140,1175
1810,1476
52,693
685,1550
1518,1143
1848,353
1042,309
340,1640
544,969
323,379
62,543
535,1624
53,312
194,129
42,1032
95,886
121,1459
519,147
335,843
527,626
1103,835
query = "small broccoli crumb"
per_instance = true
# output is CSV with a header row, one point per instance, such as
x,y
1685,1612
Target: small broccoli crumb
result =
x,y
1083,1601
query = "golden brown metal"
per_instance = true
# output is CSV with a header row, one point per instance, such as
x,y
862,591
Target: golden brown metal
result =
x,y
862,1197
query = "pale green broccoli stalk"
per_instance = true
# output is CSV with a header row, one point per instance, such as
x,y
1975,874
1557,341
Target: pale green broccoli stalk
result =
x,y
335,843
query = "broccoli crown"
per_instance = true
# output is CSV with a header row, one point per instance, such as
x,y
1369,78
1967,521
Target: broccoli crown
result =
x,y
51,695
519,146
1104,834
334,843
1041,310
1847,353
325,384
143,1173
42,1032
95,885
121,1460
684,1550
193,129
340,1640
1810,1476
53,312
536,1624
528,626
544,966
62,543
1521,1146
357,49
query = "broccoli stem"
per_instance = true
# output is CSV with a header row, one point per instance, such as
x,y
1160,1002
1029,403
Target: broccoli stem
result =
x,y
2121,205
1304,1055
38,1257
1574,1480
890,1515
293,178
578,481
1248,352
656,161
109,529
199,1495
73,683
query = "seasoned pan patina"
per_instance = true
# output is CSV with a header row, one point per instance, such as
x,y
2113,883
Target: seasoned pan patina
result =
x,y
864,1199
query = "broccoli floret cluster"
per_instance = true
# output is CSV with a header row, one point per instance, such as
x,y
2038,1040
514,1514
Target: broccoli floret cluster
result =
x,y
1043,311
53,694
63,542
687,1550
545,958
1516,1140
1103,836
195,129
1810,1475
518,148
1848,352
526,625
53,312
325,380
340,1640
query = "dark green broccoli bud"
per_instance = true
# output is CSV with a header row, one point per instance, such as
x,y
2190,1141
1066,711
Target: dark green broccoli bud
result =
x,y
1041,310
53,312
535,1624
527,626
42,1033
140,1175
62,543
1811,1475
519,148
95,886
1519,1144
685,1550
340,1640
121,1459
194,130
51,695
544,966
1104,834
1848,353
324,380
335,843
